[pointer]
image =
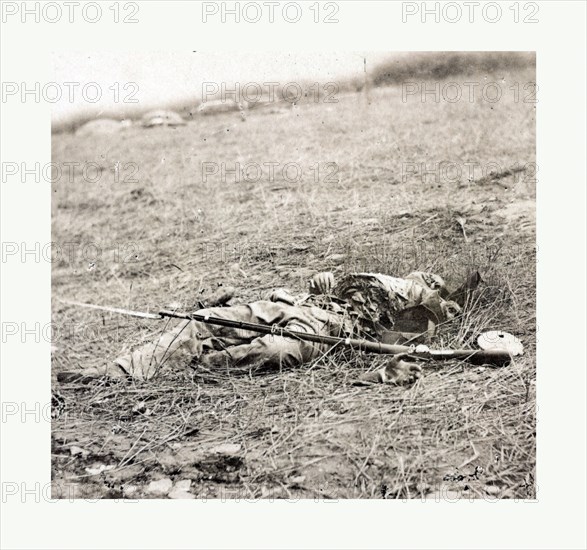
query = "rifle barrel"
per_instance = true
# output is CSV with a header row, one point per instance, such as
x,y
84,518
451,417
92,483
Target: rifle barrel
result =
x,y
494,357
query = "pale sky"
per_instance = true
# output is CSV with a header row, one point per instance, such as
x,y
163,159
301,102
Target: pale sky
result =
x,y
162,76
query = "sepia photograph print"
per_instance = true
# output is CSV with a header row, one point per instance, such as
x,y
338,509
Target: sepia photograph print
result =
x,y
293,276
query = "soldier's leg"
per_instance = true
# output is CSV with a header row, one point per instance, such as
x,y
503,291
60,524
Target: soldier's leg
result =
x,y
190,338
271,351
146,361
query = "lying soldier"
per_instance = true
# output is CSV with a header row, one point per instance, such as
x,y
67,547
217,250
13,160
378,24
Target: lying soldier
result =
x,y
360,305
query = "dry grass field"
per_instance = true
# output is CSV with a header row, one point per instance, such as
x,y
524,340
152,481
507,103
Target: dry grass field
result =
x,y
156,232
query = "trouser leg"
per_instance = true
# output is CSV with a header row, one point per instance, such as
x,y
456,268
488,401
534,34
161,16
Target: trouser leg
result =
x,y
147,361
271,351
190,338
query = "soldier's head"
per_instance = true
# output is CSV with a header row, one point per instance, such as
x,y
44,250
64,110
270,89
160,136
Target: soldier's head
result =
x,y
435,295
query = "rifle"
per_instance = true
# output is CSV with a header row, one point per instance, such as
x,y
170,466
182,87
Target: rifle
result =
x,y
495,357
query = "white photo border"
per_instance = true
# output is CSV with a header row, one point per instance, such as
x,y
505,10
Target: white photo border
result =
x,y
555,519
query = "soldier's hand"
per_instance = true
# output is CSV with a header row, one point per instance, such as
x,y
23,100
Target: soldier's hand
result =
x,y
321,283
281,295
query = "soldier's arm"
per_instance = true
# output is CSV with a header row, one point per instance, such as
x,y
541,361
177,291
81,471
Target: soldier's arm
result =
x,y
281,295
